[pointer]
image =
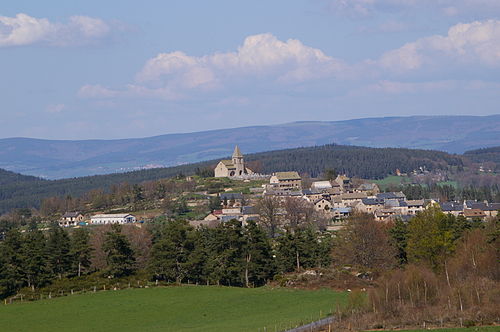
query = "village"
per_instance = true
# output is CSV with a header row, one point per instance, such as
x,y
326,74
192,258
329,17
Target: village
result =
x,y
328,202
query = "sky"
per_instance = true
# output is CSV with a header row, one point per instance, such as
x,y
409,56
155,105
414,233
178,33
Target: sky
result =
x,y
119,69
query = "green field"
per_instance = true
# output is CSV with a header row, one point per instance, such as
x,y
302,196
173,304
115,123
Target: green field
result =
x,y
186,308
463,329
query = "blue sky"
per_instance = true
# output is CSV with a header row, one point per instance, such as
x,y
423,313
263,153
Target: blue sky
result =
x,y
117,69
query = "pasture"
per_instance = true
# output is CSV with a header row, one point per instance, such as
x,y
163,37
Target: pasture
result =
x,y
184,308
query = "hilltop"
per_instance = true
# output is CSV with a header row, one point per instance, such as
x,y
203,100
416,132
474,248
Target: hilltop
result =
x,y
369,163
56,159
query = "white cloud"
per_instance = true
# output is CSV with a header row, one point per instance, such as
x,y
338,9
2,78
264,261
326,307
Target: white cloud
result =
x,y
284,66
476,43
365,8
27,30
56,108
261,57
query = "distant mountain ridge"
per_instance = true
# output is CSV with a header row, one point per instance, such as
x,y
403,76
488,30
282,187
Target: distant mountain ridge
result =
x,y
62,159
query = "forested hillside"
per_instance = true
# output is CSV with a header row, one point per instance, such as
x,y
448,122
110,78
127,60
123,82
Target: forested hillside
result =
x,y
484,155
363,162
369,163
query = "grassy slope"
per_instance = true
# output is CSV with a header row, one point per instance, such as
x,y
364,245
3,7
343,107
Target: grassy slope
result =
x,y
463,329
195,308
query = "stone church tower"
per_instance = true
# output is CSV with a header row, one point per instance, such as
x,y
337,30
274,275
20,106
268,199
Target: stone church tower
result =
x,y
232,168
238,162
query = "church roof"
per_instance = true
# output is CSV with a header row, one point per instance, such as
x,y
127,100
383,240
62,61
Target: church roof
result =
x,y
237,152
228,163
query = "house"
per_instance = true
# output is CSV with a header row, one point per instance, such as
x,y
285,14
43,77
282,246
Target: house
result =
x,y
211,217
321,186
119,218
415,206
368,205
472,214
453,208
385,214
234,167
344,183
341,213
232,199
313,195
286,182
231,211
70,219
369,188
391,195
322,205
349,199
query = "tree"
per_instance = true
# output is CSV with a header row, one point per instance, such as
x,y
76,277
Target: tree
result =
x,y
257,254
430,237
329,174
269,211
58,251
301,249
299,212
170,254
81,251
399,237
225,259
119,254
364,243
214,203
35,270
11,263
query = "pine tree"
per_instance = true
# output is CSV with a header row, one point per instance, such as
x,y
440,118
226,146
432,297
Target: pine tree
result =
x,y
12,263
81,251
58,251
257,255
170,254
119,254
34,259
399,236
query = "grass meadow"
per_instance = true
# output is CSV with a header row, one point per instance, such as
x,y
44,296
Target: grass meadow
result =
x,y
184,308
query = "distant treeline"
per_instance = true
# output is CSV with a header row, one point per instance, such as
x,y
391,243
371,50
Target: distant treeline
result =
x,y
18,191
484,155
362,162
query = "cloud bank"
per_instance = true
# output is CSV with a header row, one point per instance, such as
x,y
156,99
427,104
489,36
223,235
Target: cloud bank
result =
x,y
265,60
363,8
23,30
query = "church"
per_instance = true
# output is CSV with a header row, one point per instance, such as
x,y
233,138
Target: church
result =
x,y
232,168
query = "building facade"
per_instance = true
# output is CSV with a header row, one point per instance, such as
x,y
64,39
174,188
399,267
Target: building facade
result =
x,y
232,168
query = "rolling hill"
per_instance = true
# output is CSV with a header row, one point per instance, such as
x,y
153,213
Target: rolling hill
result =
x,y
56,159
21,191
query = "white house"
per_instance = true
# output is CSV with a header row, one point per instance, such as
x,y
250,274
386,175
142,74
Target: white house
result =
x,y
104,219
321,185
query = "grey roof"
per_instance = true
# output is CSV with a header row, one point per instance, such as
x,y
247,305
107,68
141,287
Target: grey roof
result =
x,y
311,192
371,201
391,195
237,152
367,186
493,206
71,214
230,196
451,206
248,210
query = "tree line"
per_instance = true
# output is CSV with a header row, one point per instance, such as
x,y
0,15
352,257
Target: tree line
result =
x,y
436,268
171,251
